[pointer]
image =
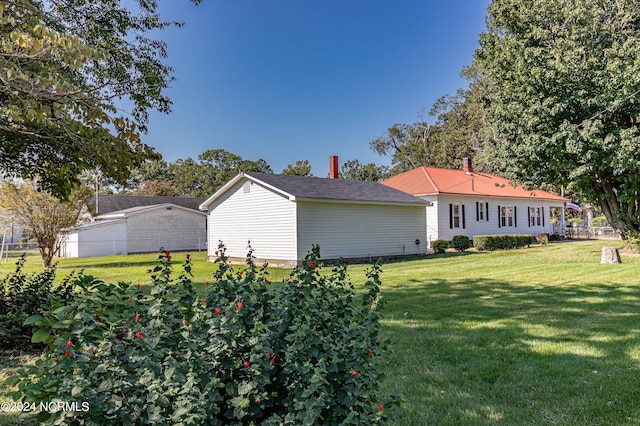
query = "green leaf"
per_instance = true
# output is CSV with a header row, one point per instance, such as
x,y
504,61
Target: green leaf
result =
x,y
11,380
33,319
64,309
40,335
43,416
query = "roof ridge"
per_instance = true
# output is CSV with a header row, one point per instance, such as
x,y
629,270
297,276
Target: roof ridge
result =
x,y
431,181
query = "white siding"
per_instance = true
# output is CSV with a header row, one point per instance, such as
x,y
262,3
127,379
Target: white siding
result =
x,y
474,227
261,216
170,228
359,230
432,218
97,240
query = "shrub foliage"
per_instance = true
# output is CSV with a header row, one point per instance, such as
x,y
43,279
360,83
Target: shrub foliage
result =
x,y
460,242
501,242
21,296
246,352
440,246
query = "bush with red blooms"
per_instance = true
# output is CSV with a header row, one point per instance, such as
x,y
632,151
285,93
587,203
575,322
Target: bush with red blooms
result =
x,y
245,352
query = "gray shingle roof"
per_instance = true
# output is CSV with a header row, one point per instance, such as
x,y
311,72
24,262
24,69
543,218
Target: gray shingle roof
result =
x,y
108,203
336,189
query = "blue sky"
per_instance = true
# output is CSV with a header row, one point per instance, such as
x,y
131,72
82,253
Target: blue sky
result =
x,y
287,80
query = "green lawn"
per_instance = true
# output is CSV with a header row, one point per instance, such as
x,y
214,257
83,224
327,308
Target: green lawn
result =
x,y
543,335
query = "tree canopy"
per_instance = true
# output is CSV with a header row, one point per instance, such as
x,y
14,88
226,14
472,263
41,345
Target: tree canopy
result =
x,y
562,98
63,63
300,168
46,217
214,168
355,170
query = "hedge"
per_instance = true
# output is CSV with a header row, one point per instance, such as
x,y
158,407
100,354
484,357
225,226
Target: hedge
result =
x,y
501,242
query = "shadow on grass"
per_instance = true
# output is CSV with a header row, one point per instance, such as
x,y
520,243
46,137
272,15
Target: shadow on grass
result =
x,y
486,352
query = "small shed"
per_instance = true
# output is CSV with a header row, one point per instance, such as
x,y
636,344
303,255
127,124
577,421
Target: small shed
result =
x,y
281,217
141,229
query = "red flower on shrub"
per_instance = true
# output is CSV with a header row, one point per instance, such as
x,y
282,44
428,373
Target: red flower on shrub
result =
x,y
381,407
188,255
240,305
354,373
66,353
246,364
205,301
369,354
206,283
312,266
139,335
218,311
130,300
272,361
216,253
69,343
136,318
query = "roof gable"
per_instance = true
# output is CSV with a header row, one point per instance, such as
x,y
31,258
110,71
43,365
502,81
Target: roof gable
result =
x,y
108,203
430,180
308,188
142,209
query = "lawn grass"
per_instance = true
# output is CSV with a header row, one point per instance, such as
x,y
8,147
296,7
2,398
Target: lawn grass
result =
x,y
132,268
537,336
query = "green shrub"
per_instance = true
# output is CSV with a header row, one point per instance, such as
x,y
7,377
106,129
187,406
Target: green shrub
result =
x,y
246,352
555,237
633,241
501,241
440,246
460,242
21,296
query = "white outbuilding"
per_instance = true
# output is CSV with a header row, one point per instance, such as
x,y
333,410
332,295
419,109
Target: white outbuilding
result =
x,y
140,229
282,216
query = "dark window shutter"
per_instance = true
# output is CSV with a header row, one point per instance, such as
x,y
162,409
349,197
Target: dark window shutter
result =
x,y
477,211
463,224
499,218
542,212
529,216
487,210
451,216
515,217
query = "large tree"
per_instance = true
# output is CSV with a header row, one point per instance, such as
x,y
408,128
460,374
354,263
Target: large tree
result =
x,y
355,170
563,98
48,219
214,168
300,168
408,144
63,63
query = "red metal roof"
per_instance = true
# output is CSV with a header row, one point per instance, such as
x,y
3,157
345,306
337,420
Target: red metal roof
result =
x,y
430,180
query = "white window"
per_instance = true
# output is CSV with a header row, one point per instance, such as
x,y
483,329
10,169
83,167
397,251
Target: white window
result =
x,y
507,216
456,215
535,216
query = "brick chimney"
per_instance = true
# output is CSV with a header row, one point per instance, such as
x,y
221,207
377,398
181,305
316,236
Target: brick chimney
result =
x,y
333,167
466,164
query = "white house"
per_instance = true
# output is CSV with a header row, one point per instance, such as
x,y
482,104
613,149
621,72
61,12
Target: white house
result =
x,y
283,216
466,202
139,230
